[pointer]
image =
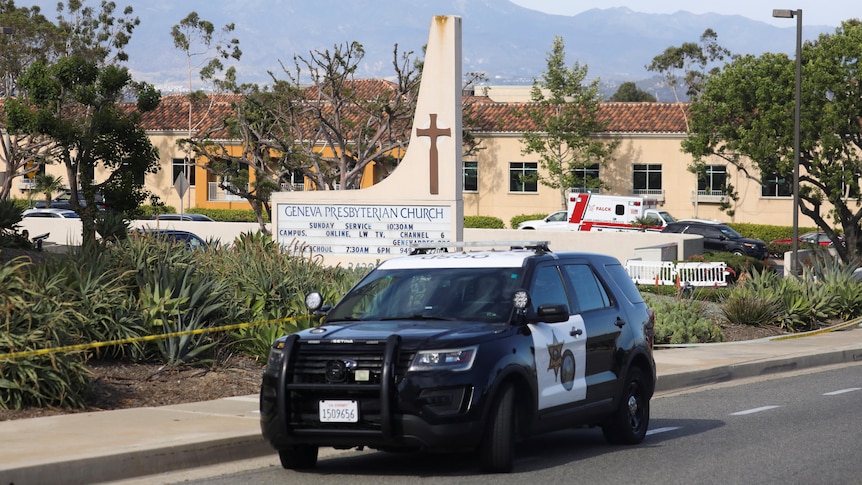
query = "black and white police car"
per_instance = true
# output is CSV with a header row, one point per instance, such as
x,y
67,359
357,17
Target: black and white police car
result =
x,y
465,350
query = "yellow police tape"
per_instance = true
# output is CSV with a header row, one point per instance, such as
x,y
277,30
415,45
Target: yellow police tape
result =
x,y
148,338
839,326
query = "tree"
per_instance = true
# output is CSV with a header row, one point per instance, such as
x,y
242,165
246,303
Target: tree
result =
x,y
696,61
194,36
75,102
32,37
47,185
745,116
326,132
630,92
356,127
565,122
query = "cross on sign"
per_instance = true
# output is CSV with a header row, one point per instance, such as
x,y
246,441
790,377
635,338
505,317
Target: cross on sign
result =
x,y
433,132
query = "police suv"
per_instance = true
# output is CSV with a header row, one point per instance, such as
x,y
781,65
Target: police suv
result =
x,y
465,350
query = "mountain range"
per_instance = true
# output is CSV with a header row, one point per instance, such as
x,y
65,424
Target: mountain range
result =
x,y
507,42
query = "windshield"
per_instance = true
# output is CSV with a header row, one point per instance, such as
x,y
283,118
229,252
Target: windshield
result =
x,y
666,216
483,294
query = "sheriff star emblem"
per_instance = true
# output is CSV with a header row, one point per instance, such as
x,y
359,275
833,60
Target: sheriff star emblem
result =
x,y
556,353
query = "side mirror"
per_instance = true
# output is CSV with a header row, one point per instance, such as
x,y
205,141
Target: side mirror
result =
x,y
552,313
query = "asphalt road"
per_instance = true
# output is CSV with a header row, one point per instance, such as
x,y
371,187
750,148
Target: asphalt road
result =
x,y
802,429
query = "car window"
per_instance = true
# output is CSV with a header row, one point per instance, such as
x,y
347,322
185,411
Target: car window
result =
x,y
712,233
589,291
730,233
548,287
619,274
695,230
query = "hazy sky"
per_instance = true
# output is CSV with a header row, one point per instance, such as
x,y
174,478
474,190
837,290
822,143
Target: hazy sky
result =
x,y
823,12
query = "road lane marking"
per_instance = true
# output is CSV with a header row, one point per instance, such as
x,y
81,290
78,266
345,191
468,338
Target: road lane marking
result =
x,y
755,410
666,429
842,391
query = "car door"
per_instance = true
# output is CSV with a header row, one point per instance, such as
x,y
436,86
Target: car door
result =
x,y
559,348
604,320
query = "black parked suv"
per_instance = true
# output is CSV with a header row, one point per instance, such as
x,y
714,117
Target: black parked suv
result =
x,y
465,350
720,237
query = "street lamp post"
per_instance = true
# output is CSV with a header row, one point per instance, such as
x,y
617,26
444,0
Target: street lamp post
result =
x,y
787,14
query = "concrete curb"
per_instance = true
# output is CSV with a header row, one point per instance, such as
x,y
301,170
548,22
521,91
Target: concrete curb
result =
x,y
726,373
136,464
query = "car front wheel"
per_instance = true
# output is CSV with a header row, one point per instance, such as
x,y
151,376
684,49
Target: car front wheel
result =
x,y
628,425
498,445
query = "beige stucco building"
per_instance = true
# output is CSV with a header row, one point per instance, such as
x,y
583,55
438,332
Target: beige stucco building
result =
x,y
648,162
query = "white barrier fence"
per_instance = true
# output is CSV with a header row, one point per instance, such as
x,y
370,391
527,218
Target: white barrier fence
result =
x,y
670,273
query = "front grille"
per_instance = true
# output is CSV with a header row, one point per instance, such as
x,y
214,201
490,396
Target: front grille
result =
x,y
307,383
309,367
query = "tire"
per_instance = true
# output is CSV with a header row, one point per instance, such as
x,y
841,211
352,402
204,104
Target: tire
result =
x,y
628,425
298,457
498,445
738,252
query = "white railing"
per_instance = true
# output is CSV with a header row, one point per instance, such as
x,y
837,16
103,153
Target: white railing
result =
x,y
216,193
669,273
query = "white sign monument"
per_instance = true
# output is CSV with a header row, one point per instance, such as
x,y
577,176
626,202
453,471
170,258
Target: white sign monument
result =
x,y
420,201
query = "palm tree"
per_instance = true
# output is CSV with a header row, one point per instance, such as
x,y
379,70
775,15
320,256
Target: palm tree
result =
x,y
47,185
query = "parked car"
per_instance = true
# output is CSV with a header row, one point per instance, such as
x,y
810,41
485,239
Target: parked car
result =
x,y
190,239
51,212
815,237
182,217
720,237
64,202
462,351
557,220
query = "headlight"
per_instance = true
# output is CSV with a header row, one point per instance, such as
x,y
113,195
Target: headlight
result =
x,y
450,359
273,362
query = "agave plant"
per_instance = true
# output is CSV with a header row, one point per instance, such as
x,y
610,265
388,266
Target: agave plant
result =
x,y
37,316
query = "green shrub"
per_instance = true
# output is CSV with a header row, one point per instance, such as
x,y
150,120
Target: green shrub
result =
x,y
229,215
525,217
483,222
747,306
701,293
101,291
38,316
269,284
682,321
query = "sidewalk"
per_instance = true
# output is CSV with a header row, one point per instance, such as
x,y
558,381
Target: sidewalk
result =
x,y
115,445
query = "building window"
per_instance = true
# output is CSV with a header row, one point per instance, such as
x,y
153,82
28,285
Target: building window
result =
x,y
646,179
712,181
775,186
294,180
523,177
180,166
471,176
587,179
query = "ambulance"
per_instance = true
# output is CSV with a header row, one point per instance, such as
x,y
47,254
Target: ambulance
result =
x,y
595,212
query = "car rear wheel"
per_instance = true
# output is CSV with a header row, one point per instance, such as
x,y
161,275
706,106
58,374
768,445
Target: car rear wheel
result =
x,y
298,457
498,445
628,425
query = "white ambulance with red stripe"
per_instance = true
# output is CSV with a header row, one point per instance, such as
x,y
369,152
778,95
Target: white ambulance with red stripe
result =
x,y
595,212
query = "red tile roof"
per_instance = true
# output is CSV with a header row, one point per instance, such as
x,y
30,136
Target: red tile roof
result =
x,y
620,117
485,116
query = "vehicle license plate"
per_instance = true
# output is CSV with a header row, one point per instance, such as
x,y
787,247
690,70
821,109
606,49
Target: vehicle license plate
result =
x,y
339,412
